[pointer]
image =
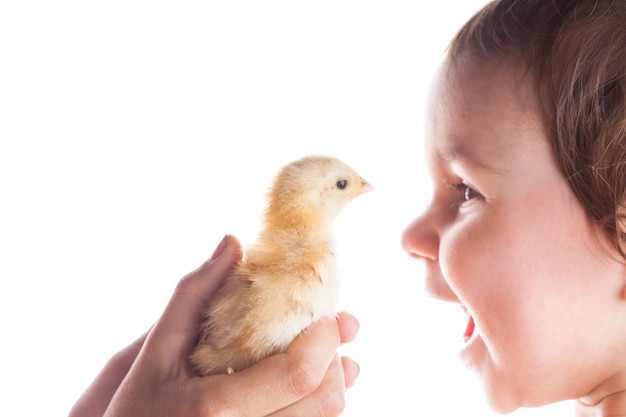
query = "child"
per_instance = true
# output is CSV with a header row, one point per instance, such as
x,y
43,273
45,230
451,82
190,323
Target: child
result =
x,y
526,147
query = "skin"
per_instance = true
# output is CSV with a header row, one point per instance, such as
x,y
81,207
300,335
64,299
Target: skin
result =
x,y
505,238
151,376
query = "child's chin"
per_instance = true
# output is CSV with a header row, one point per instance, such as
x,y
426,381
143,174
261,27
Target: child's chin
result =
x,y
501,403
501,398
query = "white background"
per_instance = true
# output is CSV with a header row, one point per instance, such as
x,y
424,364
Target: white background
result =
x,y
134,135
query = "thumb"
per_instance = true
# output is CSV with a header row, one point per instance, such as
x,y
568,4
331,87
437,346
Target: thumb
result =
x,y
176,331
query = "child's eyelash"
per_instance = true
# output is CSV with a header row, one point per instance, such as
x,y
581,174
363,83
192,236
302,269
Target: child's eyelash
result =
x,y
467,192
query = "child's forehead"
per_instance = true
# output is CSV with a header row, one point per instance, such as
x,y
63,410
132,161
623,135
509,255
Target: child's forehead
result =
x,y
490,91
484,75
483,113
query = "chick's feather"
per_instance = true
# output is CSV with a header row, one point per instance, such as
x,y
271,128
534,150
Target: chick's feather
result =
x,y
287,279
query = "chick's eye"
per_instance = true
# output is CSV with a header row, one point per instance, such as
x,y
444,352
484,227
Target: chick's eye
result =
x,y
341,184
466,191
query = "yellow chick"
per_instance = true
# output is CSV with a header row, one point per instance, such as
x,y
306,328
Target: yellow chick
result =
x,y
287,279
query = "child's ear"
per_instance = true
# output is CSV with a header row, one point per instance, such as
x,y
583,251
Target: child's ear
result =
x,y
620,230
620,242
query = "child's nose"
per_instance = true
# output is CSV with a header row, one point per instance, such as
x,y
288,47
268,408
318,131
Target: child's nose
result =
x,y
420,239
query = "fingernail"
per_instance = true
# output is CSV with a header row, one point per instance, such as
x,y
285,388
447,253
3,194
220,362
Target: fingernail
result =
x,y
220,248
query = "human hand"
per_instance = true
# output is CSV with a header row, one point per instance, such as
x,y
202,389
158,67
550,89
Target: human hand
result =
x,y
151,376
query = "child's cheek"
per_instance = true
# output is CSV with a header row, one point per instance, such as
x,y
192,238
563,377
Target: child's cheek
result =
x,y
469,252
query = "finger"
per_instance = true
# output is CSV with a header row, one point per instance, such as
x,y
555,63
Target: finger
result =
x,y
348,329
97,397
282,379
351,370
176,331
327,400
348,326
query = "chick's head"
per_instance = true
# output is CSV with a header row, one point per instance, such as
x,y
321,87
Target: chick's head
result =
x,y
314,189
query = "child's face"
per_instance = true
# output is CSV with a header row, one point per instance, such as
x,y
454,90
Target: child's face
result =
x,y
505,237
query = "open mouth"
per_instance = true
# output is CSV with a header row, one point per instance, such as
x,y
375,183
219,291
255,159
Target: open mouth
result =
x,y
470,350
469,327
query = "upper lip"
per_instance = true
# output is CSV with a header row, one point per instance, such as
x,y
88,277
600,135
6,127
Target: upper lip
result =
x,y
436,286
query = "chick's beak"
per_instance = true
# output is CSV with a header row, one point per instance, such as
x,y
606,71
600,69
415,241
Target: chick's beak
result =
x,y
365,187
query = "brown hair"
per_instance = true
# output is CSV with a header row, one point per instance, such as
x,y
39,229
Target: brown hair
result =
x,y
575,53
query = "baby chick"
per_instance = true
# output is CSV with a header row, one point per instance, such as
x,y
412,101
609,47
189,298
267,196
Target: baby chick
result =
x,y
287,279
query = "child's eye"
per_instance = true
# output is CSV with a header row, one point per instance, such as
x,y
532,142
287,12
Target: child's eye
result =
x,y
466,191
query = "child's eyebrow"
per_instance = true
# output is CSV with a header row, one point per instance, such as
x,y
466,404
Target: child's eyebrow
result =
x,y
466,155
